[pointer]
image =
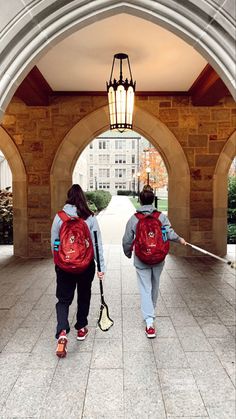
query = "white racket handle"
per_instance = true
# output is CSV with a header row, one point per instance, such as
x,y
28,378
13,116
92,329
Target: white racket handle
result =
x,y
209,253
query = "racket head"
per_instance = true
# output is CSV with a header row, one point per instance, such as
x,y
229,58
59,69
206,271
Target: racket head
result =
x,y
104,321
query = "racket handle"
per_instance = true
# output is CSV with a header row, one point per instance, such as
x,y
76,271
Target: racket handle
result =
x,y
101,291
96,250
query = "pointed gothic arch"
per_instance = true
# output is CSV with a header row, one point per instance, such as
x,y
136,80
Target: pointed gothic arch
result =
x,y
19,188
220,193
208,27
151,128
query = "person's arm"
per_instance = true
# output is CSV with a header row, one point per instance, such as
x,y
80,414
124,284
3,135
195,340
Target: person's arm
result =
x,y
128,238
171,234
95,227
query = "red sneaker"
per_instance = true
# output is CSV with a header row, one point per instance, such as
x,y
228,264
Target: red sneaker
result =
x,y
150,332
61,345
82,333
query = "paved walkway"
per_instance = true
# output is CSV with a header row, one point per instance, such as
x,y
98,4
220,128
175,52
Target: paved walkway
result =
x,y
186,372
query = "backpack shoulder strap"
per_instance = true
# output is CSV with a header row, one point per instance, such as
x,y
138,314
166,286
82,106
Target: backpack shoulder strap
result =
x,y
156,214
63,215
139,215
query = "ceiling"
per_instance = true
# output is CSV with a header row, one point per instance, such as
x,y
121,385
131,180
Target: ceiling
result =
x,y
160,61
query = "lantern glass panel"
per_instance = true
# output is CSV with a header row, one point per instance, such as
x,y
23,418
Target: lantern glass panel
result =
x,y
121,104
130,105
112,105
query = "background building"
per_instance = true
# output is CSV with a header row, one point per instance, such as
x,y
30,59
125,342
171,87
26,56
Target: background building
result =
x,y
113,162
5,173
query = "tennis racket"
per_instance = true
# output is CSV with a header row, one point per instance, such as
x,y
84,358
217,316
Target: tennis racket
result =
x,y
104,321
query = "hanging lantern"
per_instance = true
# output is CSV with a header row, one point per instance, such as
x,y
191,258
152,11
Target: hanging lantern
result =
x,y
121,97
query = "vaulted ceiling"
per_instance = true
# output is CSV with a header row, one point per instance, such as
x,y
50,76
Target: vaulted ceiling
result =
x,y
161,63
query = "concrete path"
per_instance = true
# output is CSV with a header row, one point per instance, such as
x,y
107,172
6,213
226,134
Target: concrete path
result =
x,y
186,372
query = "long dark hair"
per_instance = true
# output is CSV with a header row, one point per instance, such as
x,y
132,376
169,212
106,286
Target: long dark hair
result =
x,y
76,196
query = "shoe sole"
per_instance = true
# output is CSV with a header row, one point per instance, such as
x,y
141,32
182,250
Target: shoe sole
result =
x,y
150,336
61,351
82,338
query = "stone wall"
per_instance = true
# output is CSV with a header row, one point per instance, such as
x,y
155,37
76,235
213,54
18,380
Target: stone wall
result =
x,y
38,132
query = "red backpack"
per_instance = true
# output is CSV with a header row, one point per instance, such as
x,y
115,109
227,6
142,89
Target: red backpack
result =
x,y
150,244
73,252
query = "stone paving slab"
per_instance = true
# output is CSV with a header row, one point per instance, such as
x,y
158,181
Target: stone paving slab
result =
x,y
187,372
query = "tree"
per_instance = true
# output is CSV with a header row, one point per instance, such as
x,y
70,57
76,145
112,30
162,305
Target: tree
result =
x,y
158,175
6,217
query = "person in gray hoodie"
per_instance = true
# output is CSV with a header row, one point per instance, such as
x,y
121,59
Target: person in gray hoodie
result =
x,y
76,205
148,276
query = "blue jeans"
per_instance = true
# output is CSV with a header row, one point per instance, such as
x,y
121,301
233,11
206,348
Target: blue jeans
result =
x,y
148,281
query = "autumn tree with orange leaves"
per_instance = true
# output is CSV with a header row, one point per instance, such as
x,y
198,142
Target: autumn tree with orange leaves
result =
x,y
158,177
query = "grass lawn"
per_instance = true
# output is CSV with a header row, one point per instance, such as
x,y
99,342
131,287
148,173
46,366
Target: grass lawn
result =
x,y
162,204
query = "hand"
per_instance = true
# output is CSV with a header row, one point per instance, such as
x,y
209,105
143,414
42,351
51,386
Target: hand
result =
x,y
100,275
182,241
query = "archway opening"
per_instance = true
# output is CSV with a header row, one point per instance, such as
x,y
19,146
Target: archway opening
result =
x,y
19,193
112,170
231,215
121,163
146,125
6,207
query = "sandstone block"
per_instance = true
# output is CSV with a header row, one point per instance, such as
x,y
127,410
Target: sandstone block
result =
x,y
205,224
18,138
34,179
206,160
180,101
198,140
207,128
35,237
199,210
165,104
9,120
188,120
220,114
168,115
215,147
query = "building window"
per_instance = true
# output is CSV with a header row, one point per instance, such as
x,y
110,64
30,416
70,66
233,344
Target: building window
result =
x,y
91,171
120,158
104,185
120,185
120,172
102,145
91,145
104,158
104,172
133,159
120,144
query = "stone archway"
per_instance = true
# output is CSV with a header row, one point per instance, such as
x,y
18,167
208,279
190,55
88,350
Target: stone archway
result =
x,y
30,31
151,128
19,188
220,191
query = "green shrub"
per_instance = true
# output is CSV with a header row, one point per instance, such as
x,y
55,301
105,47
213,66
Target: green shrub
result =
x,y
125,192
231,239
6,217
92,206
100,199
232,199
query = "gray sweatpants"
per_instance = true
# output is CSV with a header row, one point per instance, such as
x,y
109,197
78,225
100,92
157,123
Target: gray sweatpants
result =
x,y
148,281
